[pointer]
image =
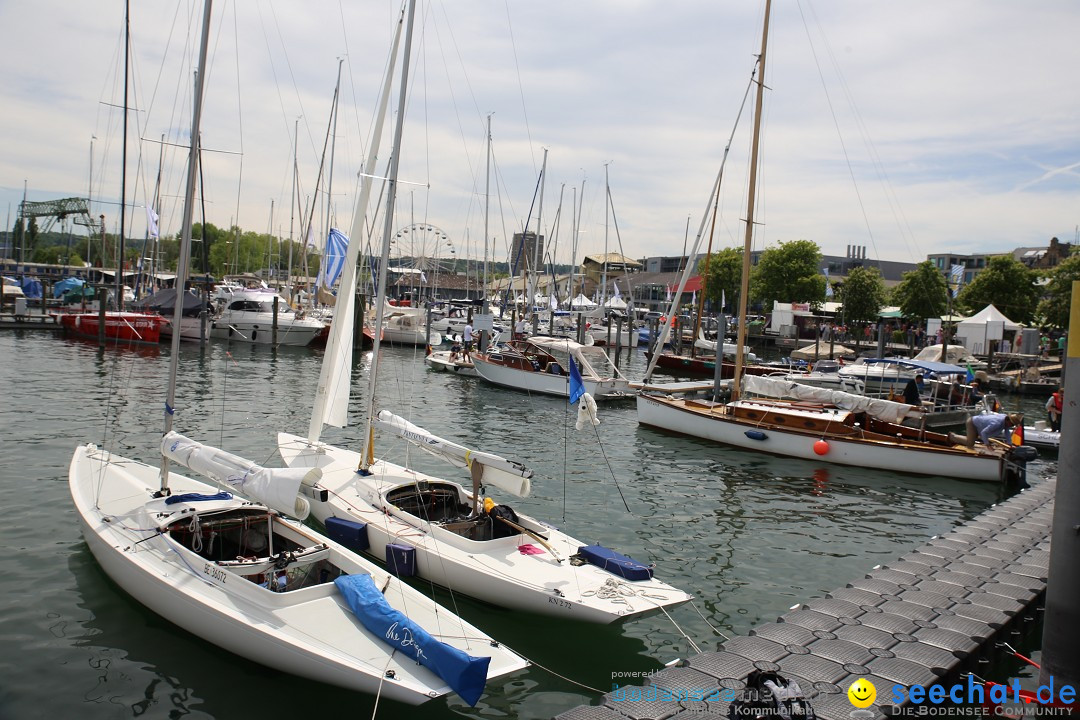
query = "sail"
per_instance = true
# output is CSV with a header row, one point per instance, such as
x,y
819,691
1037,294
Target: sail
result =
x,y
278,488
772,387
332,393
513,477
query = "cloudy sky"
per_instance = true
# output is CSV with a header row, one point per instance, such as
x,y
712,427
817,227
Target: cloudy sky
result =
x,y
909,128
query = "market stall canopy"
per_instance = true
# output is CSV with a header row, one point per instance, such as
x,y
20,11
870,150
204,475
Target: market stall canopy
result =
x,y
822,349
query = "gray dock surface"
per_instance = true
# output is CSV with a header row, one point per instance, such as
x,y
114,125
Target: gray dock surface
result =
x,y
922,620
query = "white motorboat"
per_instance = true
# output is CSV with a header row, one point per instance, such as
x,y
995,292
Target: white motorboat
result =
x,y
542,365
451,362
249,317
1040,435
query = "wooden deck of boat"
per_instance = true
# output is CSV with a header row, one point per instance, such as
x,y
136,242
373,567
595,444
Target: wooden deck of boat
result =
x,y
923,619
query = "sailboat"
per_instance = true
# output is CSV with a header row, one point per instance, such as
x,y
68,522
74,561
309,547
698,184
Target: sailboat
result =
x,y
116,325
232,568
434,528
843,429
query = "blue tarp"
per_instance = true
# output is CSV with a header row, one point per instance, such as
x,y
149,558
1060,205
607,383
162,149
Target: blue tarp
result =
x,y
31,288
465,674
935,367
66,285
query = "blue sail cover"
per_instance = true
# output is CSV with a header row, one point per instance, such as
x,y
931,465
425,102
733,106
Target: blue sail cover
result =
x,y
466,675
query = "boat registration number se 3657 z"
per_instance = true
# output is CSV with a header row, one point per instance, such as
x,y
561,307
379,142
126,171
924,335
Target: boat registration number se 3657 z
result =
x,y
216,573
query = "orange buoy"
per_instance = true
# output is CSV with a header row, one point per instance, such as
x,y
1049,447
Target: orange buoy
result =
x,y
821,447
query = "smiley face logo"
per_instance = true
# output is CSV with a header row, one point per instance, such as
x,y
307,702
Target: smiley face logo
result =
x,y
862,693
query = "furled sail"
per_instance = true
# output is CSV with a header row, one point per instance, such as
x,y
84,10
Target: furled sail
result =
x,y
276,487
466,675
511,476
773,387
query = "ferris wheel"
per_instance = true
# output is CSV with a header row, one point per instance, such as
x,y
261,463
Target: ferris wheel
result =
x,y
423,246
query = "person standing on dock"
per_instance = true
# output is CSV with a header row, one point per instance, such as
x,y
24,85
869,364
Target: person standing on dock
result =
x,y
467,340
1062,341
1054,406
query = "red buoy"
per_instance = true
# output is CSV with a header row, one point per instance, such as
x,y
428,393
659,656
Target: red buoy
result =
x,y
821,447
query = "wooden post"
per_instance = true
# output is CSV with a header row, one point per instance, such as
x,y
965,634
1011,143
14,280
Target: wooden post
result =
x,y
275,325
102,294
618,338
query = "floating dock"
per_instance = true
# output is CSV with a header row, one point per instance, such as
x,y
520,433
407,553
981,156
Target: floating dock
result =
x,y
27,321
921,620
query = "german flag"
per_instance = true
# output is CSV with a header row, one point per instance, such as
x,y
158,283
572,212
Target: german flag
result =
x,y
1017,438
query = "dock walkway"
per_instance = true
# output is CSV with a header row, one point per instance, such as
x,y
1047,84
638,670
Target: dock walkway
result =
x,y
922,619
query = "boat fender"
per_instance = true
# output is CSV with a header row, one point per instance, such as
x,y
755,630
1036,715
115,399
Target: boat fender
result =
x,y
401,560
756,435
349,533
821,447
615,563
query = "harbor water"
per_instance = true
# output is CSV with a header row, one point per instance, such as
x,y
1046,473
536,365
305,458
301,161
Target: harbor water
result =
x,y
747,534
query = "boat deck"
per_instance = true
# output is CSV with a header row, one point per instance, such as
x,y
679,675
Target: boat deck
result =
x,y
922,619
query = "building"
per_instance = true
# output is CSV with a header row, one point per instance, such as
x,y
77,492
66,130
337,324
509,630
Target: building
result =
x,y
524,252
1043,258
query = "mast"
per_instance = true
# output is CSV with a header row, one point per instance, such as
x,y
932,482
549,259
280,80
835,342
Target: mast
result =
x,y
388,229
484,309
331,405
292,211
603,269
185,238
744,287
123,160
534,274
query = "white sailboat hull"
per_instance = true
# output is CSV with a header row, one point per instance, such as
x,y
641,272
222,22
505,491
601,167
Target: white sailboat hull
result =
x,y
308,632
672,415
497,571
546,383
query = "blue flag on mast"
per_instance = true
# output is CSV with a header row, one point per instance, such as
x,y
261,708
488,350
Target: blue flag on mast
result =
x,y
334,259
577,385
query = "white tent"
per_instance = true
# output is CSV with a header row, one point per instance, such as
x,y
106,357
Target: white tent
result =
x,y
976,332
822,349
615,303
582,303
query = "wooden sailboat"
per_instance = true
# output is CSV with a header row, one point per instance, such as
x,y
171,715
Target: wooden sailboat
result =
x,y
856,436
237,572
436,528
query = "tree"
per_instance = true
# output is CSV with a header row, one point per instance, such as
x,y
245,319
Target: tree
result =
x,y
723,278
1054,308
863,294
56,255
789,273
922,293
1006,283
